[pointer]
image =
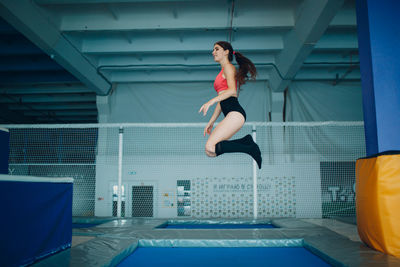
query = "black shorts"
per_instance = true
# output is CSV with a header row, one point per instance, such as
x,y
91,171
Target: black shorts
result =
x,y
232,104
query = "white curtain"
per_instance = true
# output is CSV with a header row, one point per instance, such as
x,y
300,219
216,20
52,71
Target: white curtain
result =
x,y
323,101
179,102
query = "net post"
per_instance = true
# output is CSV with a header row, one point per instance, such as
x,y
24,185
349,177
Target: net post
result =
x,y
121,140
255,202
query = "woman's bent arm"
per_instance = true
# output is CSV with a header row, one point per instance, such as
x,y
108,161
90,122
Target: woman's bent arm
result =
x,y
216,113
214,117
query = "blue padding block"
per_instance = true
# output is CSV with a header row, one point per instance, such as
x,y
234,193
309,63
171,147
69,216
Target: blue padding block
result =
x,y
378,44
36,220
4,150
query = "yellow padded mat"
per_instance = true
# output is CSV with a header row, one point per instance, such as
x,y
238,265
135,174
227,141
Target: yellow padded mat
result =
x,y
378,202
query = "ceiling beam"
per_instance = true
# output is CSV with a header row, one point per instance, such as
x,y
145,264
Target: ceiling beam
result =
x,y
321,74
10,116
185,75
44,89
24,63
338,41
313,20
65,2
169,42
190,59
187,15
35,77
62,113
54,106
19,48
350,56
65,119
346,17
47,98
27,18
315,71
71,24
269,15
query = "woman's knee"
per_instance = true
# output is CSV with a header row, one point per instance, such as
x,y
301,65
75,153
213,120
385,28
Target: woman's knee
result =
x,y
210,154
210,149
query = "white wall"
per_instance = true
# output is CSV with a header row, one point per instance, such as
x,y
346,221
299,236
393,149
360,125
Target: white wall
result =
x,y
294,188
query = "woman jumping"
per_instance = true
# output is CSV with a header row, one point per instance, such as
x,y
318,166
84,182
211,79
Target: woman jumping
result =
x,y
227,102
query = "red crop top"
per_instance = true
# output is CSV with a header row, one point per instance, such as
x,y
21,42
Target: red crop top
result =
x,y
220,83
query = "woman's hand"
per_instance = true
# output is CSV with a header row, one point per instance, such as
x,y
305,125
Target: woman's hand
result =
x,y
204,108
208,128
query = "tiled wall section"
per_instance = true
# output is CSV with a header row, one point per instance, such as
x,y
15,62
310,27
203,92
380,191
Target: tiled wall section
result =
x,y
233,197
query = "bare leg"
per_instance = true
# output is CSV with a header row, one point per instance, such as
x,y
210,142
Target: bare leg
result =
x,y
230,125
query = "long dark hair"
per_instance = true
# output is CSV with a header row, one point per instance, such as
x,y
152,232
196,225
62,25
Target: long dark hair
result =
x,y
245,65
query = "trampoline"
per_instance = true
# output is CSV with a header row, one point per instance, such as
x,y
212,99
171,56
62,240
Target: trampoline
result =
x,y
204,224
223,253
223,257
82,222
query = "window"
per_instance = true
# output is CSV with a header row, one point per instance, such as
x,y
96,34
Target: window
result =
x,y
184,198
115,201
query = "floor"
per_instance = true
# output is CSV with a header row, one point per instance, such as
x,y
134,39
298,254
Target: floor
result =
x,y
334,240
348,230
345,229
76,240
